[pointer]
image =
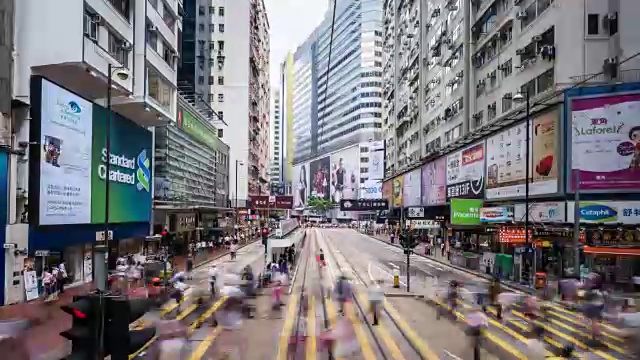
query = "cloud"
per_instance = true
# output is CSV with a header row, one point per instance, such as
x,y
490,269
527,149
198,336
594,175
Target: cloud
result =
x,y
291,21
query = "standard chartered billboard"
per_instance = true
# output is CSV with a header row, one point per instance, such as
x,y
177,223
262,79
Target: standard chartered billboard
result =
x,y
70,168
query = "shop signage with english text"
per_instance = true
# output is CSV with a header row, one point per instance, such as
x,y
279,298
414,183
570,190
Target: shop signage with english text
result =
x,y
496,214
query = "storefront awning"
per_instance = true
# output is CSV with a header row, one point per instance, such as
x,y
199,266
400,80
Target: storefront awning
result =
x,y
611,251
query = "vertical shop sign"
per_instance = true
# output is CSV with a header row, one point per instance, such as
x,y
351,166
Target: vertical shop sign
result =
x,y
398,191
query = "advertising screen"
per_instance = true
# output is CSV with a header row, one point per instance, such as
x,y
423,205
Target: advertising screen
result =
x,y
411,188
345,174
605,142
387,190
72,161
465,173
320,178
397,189
434,182
300,185
371,190
506,159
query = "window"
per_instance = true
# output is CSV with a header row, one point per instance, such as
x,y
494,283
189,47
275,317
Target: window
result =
x,y
116,49
201,10
210,98
593,24
168,54
220,97
212,9
220,80
152,38
220,45
201,80
221,11
91,26
122,7
221,28
211,81
159,89
220,115
168,18
201,27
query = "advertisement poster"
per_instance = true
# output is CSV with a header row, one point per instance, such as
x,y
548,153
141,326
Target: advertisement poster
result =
x,y
397,191
434,182
544,212
300,186
387,191
371,189
345,174
605,142
73,163
465,211
606,212
376,160
65,167
497,214
465,173
320,178
506,159
411,188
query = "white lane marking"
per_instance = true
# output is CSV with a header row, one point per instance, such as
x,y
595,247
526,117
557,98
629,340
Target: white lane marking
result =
x,y
394,265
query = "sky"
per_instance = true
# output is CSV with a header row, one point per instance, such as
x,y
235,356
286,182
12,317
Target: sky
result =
x,y
291,22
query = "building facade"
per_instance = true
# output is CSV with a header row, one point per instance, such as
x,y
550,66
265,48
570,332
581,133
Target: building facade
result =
x,y
61,69
276,173
452,67
241,91
344,107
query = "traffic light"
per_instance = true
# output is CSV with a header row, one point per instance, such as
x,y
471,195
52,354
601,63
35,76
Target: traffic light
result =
x,y
265,236
119,341
409,241
84,333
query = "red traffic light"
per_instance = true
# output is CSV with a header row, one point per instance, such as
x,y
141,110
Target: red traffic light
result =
x,y
79,314
265,230
164,232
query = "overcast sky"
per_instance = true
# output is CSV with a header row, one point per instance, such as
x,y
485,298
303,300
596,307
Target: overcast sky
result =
x,y
291,23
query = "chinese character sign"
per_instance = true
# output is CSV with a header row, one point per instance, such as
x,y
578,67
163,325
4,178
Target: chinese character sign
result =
x,y
605,142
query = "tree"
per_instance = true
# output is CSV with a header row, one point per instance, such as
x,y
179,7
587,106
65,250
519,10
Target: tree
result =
x,y
319,204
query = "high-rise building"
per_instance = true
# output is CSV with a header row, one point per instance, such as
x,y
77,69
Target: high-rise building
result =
x,y
275,167
240,90
345,107
452,67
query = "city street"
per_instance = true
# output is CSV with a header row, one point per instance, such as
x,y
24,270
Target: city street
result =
x,y
378,260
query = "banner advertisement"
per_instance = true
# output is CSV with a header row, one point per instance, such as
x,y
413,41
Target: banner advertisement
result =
x,y
376,164
397,191
497,214
434,182
194,127
465,173
605,142
606,212
411,188
506,159
387,190
283,202
73,158
300,186
345,174
545,212
371,189
465,211
320,178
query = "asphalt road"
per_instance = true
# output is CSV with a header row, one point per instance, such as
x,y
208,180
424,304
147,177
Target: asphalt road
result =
x,y
379,260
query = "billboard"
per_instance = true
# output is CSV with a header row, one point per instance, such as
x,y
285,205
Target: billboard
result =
x,y
371,189
397,190
605,142
434,182
411,188
506,158
300,185
319,178
283,202
345,174
70,168
376,160
606,212
387,191
465,211
465,173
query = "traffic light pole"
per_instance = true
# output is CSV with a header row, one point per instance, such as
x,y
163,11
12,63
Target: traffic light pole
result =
x,y
408,251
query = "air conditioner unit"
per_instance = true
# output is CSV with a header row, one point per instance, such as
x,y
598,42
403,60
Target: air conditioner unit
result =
x,y
521,15
152,27
96,18
536,38
520,52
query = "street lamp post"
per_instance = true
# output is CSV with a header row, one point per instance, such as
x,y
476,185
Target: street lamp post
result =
x,y
520,97
238,163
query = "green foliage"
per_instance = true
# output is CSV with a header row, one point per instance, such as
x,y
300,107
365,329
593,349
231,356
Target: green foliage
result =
x,y
319,204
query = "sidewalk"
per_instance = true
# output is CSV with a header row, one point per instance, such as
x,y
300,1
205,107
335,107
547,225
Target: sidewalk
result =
x,y
47,320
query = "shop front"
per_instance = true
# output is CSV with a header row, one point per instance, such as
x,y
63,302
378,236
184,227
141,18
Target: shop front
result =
x,y
214,225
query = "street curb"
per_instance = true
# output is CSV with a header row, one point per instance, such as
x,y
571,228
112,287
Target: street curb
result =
x,y
402,295
295,272
220,256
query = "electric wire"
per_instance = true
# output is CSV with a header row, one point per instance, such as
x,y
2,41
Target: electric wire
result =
x,y
326,84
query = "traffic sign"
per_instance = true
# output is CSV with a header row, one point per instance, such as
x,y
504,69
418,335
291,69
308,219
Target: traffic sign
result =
x,y
364,205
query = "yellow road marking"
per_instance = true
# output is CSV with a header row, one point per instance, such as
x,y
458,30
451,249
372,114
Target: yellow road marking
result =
x,y
365,347
579,316
581,324
332,314
382,332
414,339
311,350
493,338
191,308
209,312
199,352
287,328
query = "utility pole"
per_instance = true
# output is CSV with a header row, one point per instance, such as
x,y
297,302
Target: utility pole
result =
x,y
408,242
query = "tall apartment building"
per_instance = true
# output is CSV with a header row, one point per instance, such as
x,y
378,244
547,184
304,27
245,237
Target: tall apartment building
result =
x,y
240,90
345,107
275,166
445,77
